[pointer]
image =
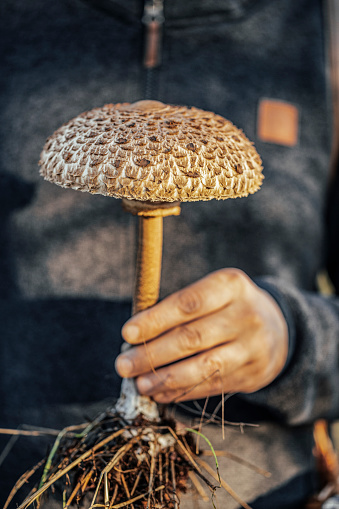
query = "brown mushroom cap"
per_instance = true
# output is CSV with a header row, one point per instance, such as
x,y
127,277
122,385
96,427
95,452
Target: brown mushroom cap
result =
x,y
150,151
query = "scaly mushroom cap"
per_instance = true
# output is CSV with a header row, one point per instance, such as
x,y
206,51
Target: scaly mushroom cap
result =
x,y
150,151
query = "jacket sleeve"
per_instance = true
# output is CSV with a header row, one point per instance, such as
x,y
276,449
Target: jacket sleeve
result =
x,y
308,387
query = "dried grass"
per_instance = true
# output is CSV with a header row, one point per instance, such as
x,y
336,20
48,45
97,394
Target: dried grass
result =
x,y
112,464
117,464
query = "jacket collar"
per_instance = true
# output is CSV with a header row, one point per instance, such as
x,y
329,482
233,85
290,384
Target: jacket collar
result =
x,y
183,12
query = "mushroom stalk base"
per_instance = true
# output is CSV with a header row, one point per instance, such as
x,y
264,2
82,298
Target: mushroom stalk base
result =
x,y
131,404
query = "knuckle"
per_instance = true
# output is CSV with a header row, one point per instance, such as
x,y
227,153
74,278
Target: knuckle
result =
x,y
234,274
255,320
190,339
235,277
155,319
212,370
170,382
189,301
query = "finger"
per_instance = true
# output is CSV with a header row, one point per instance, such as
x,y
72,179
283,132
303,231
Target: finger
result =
x,y
201,298
179,343
207,368
239,381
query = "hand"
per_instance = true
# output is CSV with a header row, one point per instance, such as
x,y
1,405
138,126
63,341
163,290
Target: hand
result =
x,y
220,334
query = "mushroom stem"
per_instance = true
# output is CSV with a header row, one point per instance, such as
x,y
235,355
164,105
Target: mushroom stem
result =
x,y
146,293
148,266
149,253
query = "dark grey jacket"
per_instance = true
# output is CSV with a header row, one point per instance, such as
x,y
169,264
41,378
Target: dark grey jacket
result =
x,y
66,263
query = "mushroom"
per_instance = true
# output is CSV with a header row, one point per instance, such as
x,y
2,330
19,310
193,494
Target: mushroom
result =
x,y
153,156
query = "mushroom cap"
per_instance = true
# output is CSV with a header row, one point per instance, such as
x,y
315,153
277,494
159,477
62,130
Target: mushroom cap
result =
x,y
150,151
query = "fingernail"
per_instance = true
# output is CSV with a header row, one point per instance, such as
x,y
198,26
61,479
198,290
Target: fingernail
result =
x,y
130,332
144,385
124,365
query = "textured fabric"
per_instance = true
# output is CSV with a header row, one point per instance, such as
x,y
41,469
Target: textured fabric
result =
x,y
67,258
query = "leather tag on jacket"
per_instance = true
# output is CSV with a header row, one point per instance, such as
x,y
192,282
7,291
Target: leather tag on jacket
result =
x,y
278,122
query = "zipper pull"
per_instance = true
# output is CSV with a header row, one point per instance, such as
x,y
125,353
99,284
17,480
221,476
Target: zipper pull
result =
x,y
153,18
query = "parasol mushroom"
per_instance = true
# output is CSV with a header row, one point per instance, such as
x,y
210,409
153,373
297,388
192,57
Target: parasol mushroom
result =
x,y
153,156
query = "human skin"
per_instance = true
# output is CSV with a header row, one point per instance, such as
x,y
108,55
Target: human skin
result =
x,y
220,334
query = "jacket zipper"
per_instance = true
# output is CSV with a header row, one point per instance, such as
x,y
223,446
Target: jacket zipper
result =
x,y
153,19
